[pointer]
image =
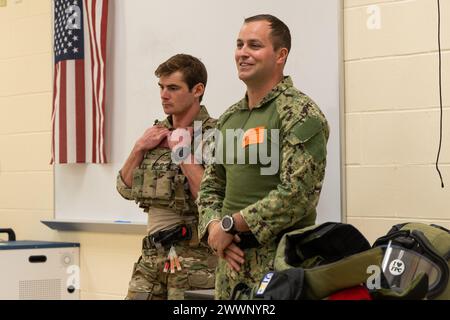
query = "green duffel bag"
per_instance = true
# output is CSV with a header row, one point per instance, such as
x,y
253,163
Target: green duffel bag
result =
x,y
314,262
317,261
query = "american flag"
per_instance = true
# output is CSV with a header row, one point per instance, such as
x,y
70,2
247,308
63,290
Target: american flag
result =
x,y
78,117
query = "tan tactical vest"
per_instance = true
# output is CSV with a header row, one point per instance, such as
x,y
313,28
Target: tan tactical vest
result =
x,y
160,183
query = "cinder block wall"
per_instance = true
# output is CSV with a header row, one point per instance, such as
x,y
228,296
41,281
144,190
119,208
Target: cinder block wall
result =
x,y
392,113
26,176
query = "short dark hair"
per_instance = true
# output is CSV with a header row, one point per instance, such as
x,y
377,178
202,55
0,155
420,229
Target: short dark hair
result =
x,y
192,69
281,36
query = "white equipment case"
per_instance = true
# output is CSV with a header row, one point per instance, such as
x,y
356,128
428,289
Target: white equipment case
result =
x,y
39,270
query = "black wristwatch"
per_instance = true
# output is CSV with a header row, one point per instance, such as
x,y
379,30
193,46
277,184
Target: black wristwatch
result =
x,y
227,224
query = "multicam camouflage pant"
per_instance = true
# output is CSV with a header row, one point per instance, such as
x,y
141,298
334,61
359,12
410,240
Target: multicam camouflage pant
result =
x,y
149,282
258,261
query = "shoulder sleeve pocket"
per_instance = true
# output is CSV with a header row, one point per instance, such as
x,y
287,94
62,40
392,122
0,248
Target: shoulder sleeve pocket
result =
x,y
304,131
310,134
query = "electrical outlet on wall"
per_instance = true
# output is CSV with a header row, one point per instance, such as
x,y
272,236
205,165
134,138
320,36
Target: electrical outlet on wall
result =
x,y
3,3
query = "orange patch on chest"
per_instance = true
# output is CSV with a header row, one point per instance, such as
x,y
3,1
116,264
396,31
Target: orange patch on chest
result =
x,y
253,136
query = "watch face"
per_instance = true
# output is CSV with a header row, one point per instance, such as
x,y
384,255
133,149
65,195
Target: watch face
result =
x,y
227,223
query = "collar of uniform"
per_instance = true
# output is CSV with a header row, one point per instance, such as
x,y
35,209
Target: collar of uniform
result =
x,y
282,86
203,115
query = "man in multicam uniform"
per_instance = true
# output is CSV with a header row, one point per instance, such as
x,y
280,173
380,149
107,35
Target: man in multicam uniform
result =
x,y
238,198
167,190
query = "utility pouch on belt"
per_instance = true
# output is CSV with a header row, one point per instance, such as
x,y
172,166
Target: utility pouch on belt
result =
x,y
166,238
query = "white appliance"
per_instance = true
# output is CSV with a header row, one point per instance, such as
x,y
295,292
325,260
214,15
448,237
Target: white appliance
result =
x,y
37,270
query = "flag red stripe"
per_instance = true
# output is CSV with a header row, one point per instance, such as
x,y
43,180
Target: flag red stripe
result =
x,y
104,27
80,112
63,114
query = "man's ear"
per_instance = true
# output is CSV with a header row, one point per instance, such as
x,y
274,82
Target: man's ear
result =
x,y
282,55
198,90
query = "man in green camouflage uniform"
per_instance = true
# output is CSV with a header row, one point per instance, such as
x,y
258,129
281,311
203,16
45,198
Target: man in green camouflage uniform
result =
x,y
243,211
165,183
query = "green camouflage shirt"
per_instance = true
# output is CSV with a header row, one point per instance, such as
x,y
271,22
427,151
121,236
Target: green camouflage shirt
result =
x,y
269,203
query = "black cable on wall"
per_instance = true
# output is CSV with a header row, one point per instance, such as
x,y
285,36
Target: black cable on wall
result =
x,y
440,91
